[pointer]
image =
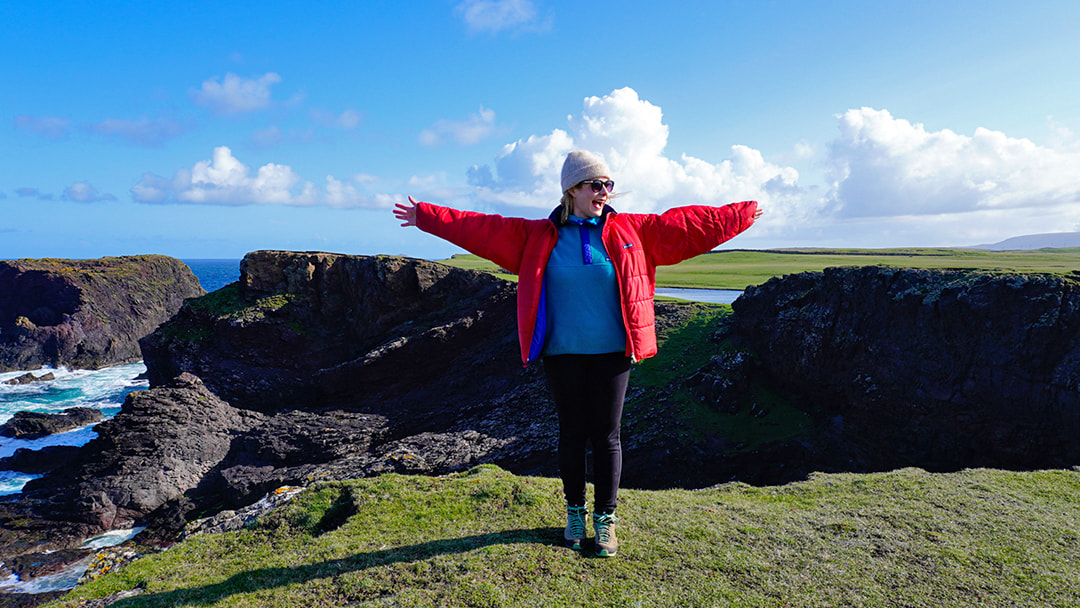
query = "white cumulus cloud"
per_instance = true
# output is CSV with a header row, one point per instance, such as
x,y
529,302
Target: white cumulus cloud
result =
x,y
235,95
896,182
884,182
630,135
884,166
224,180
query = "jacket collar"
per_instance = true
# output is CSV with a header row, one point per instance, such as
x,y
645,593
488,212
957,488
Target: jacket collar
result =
x,y
557,213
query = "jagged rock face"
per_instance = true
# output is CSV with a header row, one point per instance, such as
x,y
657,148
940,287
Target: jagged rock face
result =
x,y
383,335
941,369
86,313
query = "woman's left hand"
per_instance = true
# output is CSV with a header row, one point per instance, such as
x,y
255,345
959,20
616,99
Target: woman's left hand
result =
x,y
406,213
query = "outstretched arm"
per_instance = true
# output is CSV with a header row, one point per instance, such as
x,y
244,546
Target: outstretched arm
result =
x,y
684,232
493,237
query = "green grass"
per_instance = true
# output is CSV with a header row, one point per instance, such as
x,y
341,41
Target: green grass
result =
x,y
735,269
686,349
488,538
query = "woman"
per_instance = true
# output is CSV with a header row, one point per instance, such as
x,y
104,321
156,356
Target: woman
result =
x,y
585,306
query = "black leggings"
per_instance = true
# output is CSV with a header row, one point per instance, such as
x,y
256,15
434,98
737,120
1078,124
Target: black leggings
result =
x,y
589,391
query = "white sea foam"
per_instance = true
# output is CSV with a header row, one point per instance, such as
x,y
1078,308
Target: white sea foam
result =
x,y
103,389
69,576
112,538
12,482
60,581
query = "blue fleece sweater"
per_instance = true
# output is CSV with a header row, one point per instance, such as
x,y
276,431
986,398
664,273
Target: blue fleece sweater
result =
x,y
582,294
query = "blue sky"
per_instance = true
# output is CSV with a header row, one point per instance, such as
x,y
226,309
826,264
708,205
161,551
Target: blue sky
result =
x,y
207,130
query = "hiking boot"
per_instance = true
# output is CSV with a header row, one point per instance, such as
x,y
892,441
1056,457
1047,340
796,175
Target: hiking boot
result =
x,y
575,527
606,542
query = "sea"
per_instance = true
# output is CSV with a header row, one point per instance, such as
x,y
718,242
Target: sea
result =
x,y
106,389
103,389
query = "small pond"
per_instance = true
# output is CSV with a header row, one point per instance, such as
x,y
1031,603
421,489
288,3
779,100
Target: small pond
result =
x,y
712,296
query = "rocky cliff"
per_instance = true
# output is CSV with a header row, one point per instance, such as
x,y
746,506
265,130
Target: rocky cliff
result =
x,y
317,366
86,313
377,334
937,369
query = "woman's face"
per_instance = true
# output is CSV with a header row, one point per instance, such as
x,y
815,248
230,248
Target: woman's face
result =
x,y
588,202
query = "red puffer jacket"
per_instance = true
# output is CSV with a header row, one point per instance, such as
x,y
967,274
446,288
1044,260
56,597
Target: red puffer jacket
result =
x,y
637,244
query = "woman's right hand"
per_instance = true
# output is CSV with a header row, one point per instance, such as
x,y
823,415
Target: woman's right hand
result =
x,y
406,213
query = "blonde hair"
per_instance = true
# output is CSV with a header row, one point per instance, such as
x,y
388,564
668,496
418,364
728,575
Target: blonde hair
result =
x,y
567,203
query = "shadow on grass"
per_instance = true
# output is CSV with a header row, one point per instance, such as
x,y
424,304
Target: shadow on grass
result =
x,y
269,578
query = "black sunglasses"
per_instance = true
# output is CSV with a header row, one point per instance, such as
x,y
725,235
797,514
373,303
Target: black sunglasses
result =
x,y
598,185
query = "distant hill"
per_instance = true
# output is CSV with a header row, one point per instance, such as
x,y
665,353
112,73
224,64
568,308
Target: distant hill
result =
x,y
1037,241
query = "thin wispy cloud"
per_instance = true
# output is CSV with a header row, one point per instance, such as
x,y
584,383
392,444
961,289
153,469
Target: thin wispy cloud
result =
x,y
27,192
347,120
474,129
82,192
494,16
234,95
152,132
52,127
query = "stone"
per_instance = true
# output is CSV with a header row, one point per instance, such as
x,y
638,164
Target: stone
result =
x,y
35,425
28,377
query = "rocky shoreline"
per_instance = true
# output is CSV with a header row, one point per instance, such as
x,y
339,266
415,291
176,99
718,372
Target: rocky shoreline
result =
x,y
317,367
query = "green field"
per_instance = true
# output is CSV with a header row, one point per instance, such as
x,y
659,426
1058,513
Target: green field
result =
x,y
735,269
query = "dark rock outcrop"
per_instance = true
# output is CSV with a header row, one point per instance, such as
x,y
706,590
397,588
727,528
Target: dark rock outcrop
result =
x,y
36,462
86,313
937,369
30,378
35,425
299,325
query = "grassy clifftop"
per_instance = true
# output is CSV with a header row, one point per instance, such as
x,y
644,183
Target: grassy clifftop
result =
x,y
489,538
735,269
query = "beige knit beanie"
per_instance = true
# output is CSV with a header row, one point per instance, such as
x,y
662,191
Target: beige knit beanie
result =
x,y
580,166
